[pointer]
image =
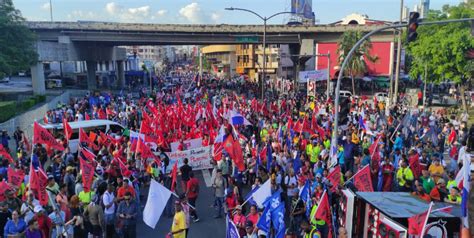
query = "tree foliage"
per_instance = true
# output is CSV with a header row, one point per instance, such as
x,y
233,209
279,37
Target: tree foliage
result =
x,y
357,65
17,50
443,48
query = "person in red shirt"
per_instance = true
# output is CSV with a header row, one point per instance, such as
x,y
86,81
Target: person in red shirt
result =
x,y
253,216
44,221
192,191
124,189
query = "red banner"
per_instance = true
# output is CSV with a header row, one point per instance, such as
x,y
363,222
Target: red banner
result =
x,y
415,165
67,129
5,154
123,168
15,176
87,155
416,223
234,150
323,212
144,150
42,136
335,178
87,170
38,183
3,188
363,181
84,138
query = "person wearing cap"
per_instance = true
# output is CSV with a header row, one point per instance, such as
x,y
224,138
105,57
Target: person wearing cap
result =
x,y
453,196
44,222
239,220
14,227
127,212
439,193
178,228
95,215
250,232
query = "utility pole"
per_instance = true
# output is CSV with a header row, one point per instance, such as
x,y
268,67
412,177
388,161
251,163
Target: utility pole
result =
x,y
329,76
399,54
51,10
424,88
200,67
264,79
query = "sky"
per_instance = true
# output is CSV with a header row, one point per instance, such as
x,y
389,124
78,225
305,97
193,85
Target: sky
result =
x,y
207,11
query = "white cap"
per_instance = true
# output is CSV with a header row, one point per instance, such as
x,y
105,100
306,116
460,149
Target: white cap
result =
x,y
38,208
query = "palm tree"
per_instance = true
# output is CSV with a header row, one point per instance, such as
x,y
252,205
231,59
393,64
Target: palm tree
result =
x,y
357,64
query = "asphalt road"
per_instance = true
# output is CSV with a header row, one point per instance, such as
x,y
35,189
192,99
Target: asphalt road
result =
x,y
206,227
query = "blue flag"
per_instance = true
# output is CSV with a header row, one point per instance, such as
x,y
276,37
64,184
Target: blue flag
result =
x,y
257,164
249,198
269,156
35,161
232,231
264,220
278,216
281,231
305,195
297,162
288,144
273,201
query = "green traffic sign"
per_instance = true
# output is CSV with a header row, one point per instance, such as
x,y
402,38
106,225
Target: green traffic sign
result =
x,y
247,39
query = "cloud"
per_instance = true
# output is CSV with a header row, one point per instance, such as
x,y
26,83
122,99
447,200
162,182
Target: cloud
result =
x,y
128,14
112,8
193,14
45,6
80,15
161,13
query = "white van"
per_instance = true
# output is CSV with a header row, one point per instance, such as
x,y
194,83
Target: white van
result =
x,y
104,126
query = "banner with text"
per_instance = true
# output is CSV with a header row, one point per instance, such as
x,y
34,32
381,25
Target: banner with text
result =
x,y
189,144
313,75
199,158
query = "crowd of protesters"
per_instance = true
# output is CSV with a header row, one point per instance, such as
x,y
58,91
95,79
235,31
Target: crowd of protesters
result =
x,y
287,142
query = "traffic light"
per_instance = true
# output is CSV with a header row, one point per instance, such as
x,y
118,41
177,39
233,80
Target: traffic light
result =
x,y
412,26
344,109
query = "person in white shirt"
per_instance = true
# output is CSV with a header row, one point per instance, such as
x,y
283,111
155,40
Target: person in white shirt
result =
x,y
108,199
27,208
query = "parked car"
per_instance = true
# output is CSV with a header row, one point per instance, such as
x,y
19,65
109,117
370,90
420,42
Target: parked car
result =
x,y
5,80
54,83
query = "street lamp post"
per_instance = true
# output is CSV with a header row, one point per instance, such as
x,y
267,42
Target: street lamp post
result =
x,y
265,19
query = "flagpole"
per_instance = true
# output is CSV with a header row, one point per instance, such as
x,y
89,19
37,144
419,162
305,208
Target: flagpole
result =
x,y
355,174
426,219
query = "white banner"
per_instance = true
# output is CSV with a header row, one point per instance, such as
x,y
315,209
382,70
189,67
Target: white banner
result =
x,y
189,144
314,75
199,158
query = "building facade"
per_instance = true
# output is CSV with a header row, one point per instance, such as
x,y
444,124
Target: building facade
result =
x,y
250,61
222,59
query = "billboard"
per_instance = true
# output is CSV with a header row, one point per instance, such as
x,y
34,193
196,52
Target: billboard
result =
x,y
303,8
314,75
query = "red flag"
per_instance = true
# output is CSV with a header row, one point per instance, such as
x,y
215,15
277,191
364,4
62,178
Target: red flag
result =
x,y
15,176
217,151
144,150
42,136
174,173
263,154
3,188
415,166
67,129
362,180
145,128
417,223
42,182
87,155
4,153
87,117
335,177
87,171
84,138
123,168
26,142
234,150
152,107
374,151
323,211
101,114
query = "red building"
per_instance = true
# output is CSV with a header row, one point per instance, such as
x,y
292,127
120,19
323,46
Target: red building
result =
x,y
383,48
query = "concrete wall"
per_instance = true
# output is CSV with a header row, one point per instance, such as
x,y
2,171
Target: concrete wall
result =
x,y
25,121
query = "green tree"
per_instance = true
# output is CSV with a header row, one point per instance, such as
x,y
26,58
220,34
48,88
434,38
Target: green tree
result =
x,y
17,51
442,49
358,63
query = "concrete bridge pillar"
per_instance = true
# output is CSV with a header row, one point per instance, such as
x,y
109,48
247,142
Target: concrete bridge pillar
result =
x,y
120,74
37,79
91,77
